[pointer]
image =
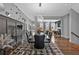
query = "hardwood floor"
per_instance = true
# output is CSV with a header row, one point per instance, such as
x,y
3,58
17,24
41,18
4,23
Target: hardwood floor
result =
x,y
66,47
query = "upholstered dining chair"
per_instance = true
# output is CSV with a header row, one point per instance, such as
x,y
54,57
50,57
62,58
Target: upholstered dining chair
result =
x,y
39,41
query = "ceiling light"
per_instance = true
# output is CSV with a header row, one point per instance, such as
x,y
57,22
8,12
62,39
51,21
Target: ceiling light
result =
x,y
40,4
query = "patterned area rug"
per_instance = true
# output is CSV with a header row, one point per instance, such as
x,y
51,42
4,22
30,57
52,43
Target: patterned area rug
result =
x,y
28,49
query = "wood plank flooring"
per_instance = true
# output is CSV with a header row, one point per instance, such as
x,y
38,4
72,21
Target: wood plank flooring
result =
x,y
66,47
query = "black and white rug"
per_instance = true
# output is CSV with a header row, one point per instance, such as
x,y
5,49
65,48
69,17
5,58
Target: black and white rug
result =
x,y
28,49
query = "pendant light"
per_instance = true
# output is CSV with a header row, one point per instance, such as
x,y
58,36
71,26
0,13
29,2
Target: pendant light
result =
x,y
40,4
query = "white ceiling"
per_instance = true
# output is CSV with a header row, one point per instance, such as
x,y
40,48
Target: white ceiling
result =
x,y
47,9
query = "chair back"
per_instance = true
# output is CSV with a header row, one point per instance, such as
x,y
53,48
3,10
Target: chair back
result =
x,y
39,41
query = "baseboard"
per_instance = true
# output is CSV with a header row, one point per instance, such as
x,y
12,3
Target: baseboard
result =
x,y
75,42
66,37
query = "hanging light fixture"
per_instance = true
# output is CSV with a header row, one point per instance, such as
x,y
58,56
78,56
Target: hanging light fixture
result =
x,y
40,4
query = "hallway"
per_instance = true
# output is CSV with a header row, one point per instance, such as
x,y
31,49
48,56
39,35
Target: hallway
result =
x,y
39,29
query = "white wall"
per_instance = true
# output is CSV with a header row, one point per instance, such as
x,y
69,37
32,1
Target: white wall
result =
x,y
12,9
74,26
65,26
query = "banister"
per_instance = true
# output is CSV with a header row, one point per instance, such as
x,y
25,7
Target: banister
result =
x,y
75,34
